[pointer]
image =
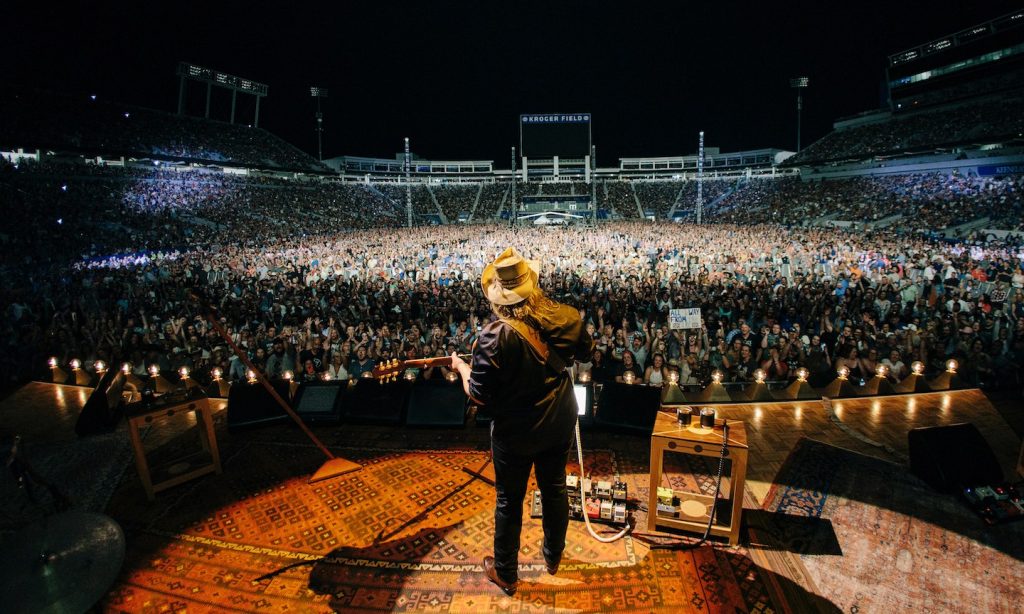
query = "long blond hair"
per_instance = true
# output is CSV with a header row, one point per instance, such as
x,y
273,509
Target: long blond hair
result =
x,y
533,311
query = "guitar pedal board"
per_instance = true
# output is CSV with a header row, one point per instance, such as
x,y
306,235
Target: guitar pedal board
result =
x,y
602,501
996,504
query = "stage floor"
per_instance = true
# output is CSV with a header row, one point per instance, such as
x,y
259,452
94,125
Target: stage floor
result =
x,y
182,524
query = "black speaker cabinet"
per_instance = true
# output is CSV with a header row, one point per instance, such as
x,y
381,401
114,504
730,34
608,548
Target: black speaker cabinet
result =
x,y
628,407
436,404
103,409
250,405
951,458
371,402
321,402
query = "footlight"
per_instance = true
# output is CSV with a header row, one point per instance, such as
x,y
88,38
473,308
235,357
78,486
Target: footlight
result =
x,y
57,375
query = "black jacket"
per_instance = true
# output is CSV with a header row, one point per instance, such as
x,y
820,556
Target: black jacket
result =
x,y
532,406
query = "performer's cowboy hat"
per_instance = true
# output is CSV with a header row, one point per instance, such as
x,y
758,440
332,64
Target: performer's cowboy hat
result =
x,y
510,279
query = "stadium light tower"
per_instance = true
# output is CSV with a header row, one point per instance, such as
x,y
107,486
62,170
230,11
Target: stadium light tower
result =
x,y
512,219
799,84
318,93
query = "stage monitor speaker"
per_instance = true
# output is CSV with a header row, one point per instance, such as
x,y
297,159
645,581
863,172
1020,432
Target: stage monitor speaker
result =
x,y
320,402
584,394
250,405
629,407
371,402
951,458
104,408
436,404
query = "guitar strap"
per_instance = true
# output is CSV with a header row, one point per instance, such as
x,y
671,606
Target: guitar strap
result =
x,y
529,334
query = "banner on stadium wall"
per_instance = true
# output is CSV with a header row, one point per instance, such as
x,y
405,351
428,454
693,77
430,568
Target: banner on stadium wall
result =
x,y
684,318
555,118
1000,169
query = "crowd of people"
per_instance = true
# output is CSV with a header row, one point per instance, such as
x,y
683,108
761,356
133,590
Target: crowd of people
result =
x,y
992,117
36,119
925,202
340,299
98,264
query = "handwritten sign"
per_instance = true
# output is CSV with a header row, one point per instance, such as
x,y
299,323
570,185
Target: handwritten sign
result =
x,y
684,318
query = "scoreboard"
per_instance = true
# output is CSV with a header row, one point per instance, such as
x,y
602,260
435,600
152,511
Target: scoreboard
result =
x,y
546,135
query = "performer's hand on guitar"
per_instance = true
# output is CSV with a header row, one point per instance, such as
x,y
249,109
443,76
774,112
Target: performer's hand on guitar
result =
x,y
458,363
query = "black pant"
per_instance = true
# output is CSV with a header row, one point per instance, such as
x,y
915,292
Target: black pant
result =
x,y
512,472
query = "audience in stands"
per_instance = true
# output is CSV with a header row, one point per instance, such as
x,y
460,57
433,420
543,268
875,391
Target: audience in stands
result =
x,y
99,266
983,119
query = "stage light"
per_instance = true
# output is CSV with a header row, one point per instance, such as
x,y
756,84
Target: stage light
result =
x,y
952,365
673,377
881,370
843,372
802,373
75,364
325,376
126,368
629,377
216,373
716,376
57,375
583,377
917,367
100,367
410,375
287,376
366,374
154,370
759,376
184,372
250,376
452,376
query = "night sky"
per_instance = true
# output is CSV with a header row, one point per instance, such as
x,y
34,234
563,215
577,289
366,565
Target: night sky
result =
x,y
454,76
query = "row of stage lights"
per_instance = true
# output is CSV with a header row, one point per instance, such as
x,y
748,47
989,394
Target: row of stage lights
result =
x,y
83,378
760,377
840,387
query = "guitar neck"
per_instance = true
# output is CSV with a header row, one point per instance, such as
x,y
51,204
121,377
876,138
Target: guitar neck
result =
x,y
424,363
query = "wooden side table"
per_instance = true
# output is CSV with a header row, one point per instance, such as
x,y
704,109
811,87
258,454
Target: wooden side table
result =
x,y
694,508
182,469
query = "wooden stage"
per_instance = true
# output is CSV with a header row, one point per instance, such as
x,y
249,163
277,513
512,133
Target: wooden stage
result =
x,y
877,427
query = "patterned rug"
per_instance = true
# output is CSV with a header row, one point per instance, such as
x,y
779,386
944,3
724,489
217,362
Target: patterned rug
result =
x,y
882,540
407,532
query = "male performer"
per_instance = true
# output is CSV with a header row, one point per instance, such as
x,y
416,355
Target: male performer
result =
x,y
519,377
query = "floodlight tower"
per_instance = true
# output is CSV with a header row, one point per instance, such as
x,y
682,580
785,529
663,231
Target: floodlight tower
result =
x,y
512,218
699,208
799,84
318,93
408,184
593,185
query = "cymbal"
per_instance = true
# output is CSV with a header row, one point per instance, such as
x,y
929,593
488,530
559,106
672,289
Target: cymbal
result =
x,y
63,563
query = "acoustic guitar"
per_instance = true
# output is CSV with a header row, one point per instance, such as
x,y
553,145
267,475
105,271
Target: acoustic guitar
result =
x,y
391,370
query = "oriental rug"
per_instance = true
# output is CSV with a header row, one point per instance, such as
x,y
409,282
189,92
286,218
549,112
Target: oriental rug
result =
x,y
882,541
407,532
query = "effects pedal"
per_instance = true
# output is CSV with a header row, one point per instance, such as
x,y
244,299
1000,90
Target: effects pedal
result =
x,y
535,506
